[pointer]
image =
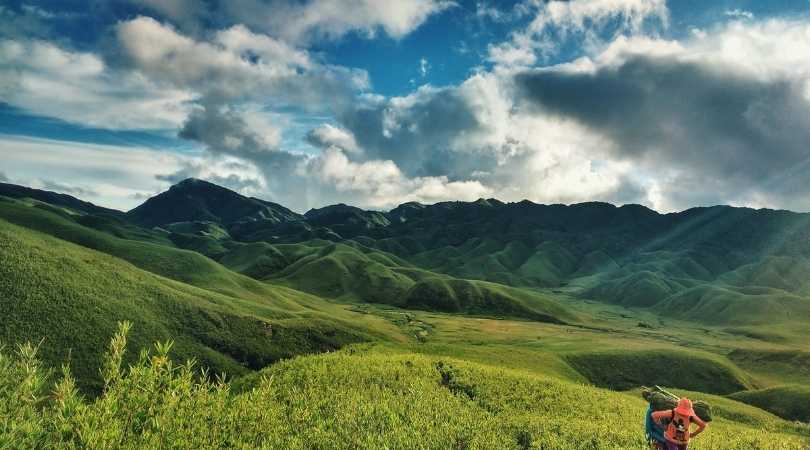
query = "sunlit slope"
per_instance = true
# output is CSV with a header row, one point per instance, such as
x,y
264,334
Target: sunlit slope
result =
x,y
180,265
72,297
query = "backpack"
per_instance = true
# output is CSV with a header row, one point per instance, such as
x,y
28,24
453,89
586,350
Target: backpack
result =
x,y
678,430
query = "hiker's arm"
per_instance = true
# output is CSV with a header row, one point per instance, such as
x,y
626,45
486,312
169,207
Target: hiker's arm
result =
x,y
701,426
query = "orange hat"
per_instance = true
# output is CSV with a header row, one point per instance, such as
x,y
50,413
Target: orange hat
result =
x,y
685,407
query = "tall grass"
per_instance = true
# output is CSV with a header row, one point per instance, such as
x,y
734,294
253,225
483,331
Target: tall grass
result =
x,y
357,398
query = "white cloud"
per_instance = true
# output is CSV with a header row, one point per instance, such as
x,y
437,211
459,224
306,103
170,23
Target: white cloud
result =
x,y
327,135
380,183
585,18
424,67
301,22
112,173
739,14
236,64
720,117
78,87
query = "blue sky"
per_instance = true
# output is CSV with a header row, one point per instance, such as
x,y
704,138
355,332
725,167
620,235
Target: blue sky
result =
x,y
668,104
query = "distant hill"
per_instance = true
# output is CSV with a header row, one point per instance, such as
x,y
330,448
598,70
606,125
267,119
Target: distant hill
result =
x,y
53,198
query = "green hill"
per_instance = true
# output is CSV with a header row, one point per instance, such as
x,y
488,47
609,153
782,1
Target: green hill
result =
x,y
354,273
72,297
789,402
622,370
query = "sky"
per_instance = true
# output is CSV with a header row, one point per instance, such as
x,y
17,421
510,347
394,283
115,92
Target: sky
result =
x,y
669,104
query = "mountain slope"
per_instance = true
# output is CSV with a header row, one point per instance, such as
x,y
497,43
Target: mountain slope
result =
x,y
73,297
54,199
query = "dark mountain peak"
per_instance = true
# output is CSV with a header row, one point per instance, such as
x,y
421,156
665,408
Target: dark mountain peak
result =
x,y
201,186
405,211
411,205
488,202
195,200
192,181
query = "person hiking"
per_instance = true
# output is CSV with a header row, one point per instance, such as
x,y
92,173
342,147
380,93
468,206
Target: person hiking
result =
x,y
677,432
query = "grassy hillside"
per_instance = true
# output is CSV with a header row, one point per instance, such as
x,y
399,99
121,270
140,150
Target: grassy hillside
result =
x,y
72,297
359,398
177,264
791,402
621,370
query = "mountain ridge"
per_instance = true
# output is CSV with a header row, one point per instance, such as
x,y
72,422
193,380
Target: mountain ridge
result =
x,y
675,263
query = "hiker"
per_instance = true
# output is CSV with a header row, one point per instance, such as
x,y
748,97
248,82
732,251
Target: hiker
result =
x,y
677,432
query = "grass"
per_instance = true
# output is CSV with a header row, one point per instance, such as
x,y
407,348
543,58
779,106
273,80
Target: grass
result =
x,y
355,398
72,297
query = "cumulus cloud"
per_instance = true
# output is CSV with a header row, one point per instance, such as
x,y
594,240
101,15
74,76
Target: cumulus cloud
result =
x,y
721,116
235,65
380,183
295,21
4,178
232,173
711,126
475,133
79,87
556,20
304,181
226,131
328,135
